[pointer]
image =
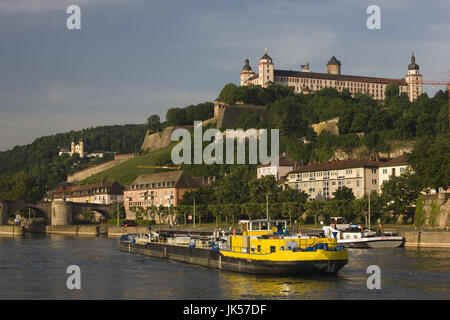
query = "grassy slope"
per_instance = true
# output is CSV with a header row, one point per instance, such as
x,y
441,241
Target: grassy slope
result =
x,y
127,172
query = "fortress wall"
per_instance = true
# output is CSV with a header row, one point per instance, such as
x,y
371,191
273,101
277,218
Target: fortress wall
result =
x,y
227,115
330,126
158,140
86,173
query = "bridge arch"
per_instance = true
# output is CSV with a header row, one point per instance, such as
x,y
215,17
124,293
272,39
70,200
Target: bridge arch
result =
x,y
54,212
42,212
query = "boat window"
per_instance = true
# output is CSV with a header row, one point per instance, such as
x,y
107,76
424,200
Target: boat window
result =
x,y
272,249
259,248
264,226
255,226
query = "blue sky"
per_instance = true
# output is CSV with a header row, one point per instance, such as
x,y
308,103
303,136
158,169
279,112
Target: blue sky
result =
x,y
134,58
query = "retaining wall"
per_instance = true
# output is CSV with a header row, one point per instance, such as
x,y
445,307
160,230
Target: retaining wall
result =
x,y
11,231
433,239
73,230
86,173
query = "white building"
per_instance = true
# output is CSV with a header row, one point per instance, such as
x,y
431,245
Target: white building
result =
x,y
285,165
392,168
79,149
321,180
74,149
306,81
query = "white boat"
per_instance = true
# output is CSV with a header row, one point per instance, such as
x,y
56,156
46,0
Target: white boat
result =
x,y
354,236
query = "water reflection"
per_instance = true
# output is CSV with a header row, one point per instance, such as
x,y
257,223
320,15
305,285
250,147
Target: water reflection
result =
x,y
245,286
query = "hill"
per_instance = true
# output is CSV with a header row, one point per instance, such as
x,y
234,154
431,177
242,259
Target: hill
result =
x,y
26,172
128,171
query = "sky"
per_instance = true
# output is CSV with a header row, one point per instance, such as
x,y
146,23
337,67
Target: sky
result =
x,y
135,58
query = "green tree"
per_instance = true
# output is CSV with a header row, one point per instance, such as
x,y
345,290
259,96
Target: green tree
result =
x,y
430,160
229,93
401,192
265,186
154,123
391,92
344,193
292,210
176,117
315,208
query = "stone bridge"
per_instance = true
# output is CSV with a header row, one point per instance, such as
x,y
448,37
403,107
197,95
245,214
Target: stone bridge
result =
x,y
54,212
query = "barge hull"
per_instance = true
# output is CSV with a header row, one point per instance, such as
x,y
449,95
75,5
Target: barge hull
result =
x,y
214,259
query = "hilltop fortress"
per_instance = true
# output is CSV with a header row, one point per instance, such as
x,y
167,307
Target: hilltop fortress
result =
x,y
306,81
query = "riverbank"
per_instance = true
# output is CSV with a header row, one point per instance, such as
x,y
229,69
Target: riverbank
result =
x,y
413,238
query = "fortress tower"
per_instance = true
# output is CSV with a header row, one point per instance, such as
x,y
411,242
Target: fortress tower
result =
x,y
414,80
334,66
246,73
266,70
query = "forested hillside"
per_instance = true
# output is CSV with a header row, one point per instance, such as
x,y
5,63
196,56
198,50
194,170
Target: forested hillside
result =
x,y
379,123
26,172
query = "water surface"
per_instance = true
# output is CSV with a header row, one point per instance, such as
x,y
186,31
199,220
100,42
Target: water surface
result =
x,y
34,267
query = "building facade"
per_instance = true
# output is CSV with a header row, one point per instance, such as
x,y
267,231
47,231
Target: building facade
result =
x,y
99,193
363,176
158,189
74,149
285,165
306,81
393,168
79,150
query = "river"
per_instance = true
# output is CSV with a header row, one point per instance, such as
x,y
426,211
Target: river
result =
x,y
34,267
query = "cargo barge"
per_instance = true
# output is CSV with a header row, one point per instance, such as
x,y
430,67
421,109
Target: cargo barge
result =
x,y
264,247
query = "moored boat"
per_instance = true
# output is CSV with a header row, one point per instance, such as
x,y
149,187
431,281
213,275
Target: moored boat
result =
x,y
354,236
264,247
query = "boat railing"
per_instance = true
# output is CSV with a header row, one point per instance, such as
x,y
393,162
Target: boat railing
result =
x,y
302,244
241,249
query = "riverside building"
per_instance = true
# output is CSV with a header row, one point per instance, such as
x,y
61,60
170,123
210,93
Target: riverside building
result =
x,y
363,176
158,189
99,193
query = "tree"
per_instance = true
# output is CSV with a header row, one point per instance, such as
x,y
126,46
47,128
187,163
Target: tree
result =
x,y
291,210
183,210
391,92
430,160
340,208
248,119
229,93
401,192
344,193
260,188
153,123
176,117
138,212
216,212
234,186
118,207
315,208
292,195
